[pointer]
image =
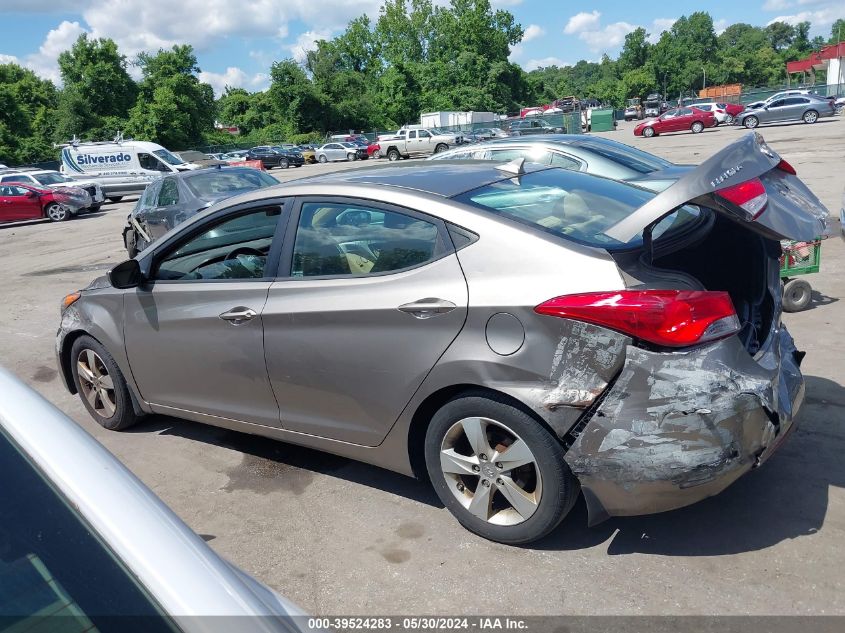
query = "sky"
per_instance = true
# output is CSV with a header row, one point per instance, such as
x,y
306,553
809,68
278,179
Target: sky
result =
x,y
237,40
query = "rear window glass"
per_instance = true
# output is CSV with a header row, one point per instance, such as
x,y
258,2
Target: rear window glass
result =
x,y
631,157
572,205
214,183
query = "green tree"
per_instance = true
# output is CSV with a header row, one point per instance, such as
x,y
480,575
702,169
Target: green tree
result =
x,y
27,105
837,31
635,52
780,35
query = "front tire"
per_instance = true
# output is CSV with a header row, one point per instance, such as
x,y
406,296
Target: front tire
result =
x,y
797,295
351,156
115,198
751,122
57,212
441,147
648,132
498,470
101,385
323,159
697,127
810,116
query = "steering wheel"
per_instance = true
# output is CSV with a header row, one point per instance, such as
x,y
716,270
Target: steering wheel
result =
x,y
242,250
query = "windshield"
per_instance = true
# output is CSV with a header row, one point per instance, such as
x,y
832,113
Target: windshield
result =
x,y
571,205
51,179
631,157
224,182
167,157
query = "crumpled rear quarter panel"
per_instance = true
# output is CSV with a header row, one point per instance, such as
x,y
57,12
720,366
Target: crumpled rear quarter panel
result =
x,y
677,427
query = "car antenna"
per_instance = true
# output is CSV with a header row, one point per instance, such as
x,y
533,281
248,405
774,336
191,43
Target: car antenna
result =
x,y
516,167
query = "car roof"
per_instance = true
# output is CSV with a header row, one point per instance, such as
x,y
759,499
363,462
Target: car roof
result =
x,y
446,178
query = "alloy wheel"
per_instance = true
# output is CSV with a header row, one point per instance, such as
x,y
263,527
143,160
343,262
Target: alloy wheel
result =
x,y
751,122
810,117
57,212
96,384
491,471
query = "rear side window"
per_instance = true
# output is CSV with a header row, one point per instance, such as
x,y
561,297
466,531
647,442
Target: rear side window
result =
x,y
571,205
169,193
631,157
347,239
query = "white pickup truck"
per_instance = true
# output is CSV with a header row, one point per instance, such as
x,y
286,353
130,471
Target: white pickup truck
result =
x,y
416,142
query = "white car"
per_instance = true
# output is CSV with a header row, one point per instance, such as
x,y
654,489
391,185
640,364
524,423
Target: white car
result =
x,y
720,114
55,180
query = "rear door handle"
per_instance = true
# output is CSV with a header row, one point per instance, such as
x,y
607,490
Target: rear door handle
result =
x,y
239,315
427,308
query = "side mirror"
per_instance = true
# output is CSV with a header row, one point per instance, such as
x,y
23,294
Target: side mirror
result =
x,y
126,275
31,194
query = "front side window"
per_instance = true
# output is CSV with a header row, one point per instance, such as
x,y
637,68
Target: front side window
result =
x,y
148,161
234,248
13,192
348,239
571,205
424,134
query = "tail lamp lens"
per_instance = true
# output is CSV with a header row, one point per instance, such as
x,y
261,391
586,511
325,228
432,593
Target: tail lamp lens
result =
x,y
669,318
750,196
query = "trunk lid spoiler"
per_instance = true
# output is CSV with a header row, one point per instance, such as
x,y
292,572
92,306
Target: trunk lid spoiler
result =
x,y
792,212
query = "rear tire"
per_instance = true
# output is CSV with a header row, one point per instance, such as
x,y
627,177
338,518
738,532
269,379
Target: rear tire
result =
x,y
393,155
57,212
729,119
284,164
810,116
101,385
115,198
697,127
797,295
542,487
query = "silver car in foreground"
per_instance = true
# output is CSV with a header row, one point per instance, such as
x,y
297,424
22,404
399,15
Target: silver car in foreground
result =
x,y
85,546
806,108
513,332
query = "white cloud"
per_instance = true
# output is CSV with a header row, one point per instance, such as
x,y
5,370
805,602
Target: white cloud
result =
x,y
581,22
307,42
820,19
532,32
44,62
236,78
9,59
658,27
44,6
531,64
610,36
503,4
720,25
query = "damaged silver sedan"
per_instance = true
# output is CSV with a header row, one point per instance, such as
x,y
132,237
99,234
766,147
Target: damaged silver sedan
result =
x,y
514,333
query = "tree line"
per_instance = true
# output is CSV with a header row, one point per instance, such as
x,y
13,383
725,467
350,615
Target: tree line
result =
x,y
380,74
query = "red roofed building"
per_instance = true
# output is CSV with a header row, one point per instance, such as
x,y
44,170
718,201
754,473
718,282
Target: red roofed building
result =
x,y
830,58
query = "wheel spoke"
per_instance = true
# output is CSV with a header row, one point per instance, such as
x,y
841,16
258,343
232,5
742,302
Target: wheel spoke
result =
x,y
106,381
480,504
457,464
91,359
86,374
105,400
523,502
516,455
90,394
475,430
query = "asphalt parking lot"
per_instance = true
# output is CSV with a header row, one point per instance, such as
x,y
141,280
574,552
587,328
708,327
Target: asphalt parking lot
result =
x,y
339,537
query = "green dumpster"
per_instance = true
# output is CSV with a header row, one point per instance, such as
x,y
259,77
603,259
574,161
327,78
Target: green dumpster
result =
x,y
601,121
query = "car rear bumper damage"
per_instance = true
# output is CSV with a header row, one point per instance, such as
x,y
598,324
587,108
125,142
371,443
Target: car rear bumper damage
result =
x,y
675,428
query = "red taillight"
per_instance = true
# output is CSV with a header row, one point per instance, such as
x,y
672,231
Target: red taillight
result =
x,y
669,318
784,166
749,195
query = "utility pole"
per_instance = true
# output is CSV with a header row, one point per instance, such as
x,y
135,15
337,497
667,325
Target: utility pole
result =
x,y
704,81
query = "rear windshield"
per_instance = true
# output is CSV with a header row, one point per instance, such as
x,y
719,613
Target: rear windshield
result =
x,y
631,157
575,206
51,179
214,183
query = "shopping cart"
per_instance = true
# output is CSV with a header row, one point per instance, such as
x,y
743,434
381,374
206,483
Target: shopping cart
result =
x,y
798,258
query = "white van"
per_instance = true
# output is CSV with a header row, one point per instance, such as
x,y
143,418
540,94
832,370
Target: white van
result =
x,y
121,167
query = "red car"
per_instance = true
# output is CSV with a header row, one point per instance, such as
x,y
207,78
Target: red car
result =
x,y
19,201
676,120
374,150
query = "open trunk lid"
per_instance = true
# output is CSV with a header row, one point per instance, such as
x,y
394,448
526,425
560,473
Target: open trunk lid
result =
x,y
789,210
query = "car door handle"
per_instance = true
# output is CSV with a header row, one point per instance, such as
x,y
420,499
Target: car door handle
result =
x,y
239,315
427,308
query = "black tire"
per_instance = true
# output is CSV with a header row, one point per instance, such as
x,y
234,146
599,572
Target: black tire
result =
x,y
351,156
648,132
94,208
115,198
323,158
797,295
441,147
57,212
750,122
130,241
559,489
729,119
124,414
810,116
697,127
393,154
284,164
